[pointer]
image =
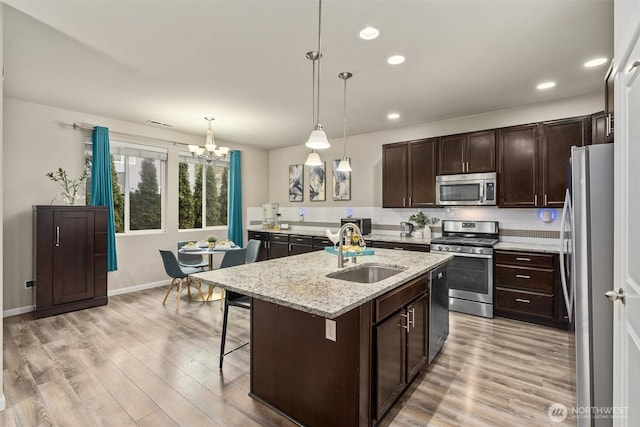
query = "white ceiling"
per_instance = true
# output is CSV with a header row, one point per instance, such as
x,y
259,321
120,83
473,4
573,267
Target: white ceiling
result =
x,y
243,61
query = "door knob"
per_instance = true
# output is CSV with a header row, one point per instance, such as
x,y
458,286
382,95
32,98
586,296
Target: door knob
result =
x,y
613,295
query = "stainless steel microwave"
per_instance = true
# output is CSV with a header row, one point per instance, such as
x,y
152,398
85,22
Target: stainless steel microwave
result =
x,y
472,189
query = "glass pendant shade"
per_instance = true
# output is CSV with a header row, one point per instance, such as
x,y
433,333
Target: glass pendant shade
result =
x,y
318,139
313,159
344,165
193,148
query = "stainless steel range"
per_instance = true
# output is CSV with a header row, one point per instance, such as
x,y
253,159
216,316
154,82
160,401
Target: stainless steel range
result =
x,y
471,270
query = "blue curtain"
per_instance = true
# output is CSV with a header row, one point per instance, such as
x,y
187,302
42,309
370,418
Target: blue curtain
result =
x,y
101,193
235,199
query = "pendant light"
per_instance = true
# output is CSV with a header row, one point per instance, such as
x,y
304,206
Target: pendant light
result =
x,y
344,165
318,138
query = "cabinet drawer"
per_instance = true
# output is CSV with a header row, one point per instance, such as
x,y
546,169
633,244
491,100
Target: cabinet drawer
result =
x,y
395,299
258,235
399,246
524,259
302,240
529,303
278,237
530,279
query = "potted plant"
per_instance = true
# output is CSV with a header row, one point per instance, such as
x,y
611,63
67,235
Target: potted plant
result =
x,y
212,241
421,220
71,187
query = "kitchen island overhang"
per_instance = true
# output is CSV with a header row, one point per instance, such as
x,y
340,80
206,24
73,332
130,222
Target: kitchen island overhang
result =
x,y
295,369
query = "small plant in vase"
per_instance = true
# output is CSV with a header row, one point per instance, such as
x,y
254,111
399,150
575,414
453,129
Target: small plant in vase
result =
x,y
71,187
212,241
421,220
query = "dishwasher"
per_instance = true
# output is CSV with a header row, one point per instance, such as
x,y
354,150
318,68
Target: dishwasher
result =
x,y
438,309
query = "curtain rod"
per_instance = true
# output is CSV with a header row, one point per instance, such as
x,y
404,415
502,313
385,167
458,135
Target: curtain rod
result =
x,y
90,127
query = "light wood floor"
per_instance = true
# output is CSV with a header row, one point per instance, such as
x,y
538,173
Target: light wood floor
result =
x,y
135,362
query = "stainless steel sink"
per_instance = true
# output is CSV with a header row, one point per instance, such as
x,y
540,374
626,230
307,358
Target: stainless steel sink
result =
x,y
367,273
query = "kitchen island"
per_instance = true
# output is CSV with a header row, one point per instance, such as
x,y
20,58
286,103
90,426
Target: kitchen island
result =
x,y
326,351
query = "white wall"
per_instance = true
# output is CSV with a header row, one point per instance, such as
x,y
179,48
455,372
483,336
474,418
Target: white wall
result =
x,y
37,142
366,152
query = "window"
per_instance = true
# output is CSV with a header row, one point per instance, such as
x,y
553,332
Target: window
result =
x,y
202,193
137,177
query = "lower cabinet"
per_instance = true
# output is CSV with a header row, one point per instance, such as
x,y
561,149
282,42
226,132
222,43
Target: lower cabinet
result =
x,y
401,341
278,245
527,287
398,246
300,244
263,236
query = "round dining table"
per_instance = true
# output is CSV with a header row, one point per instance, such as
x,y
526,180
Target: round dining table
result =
x,y
210,252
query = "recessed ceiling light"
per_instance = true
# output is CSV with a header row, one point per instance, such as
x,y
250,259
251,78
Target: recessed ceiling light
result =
x,y
395,59
546,85
595,62
369,33
393,116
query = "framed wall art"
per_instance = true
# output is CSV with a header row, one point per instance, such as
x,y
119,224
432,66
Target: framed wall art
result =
x,y
341,183
317,183
296,183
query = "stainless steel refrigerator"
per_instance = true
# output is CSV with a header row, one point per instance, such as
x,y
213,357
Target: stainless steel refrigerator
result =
x,y
586,275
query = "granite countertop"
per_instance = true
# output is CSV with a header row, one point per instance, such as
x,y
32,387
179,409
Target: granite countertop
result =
x,y
300,281
532,247
379,237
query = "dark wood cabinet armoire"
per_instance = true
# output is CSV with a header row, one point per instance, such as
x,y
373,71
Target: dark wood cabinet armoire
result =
x,y
70,258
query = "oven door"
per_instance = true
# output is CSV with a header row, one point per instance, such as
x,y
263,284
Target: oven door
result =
x,y
471,277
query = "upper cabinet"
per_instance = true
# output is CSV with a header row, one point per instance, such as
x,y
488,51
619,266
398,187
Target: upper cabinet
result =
x,y
533,161
598,128
467,153
558,137
409,174
609,104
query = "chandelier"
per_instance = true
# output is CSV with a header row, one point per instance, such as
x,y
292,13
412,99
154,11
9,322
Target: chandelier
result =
x,y
210,151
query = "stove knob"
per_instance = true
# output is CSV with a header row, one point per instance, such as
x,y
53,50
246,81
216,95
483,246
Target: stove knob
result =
x,y
480,250
446,248
458,249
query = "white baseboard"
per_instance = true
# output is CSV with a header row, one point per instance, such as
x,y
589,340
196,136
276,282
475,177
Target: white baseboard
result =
x,y
137,288
30,308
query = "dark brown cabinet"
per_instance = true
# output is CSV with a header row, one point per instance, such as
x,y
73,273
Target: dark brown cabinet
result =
x,y
398,246
263,237
278,245
467,153
598,128
518,160
527,288
401,341
558,138
609,104
71,258
533,161
409,174
300,244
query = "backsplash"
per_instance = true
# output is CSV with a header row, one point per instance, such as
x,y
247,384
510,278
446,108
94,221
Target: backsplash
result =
x,y
516,225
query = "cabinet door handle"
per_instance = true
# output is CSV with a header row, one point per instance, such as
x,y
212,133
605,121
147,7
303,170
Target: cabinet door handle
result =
x,y
535,200
398,249
526,301
523,276
412,318
404,201
439,275
410,201
523,259
57,235
407,325
545,200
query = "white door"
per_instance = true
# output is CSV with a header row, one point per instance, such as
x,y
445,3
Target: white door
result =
x,y
626,352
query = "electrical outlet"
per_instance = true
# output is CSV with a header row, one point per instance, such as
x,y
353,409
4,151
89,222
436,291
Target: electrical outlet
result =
x,y
29,284
330,329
